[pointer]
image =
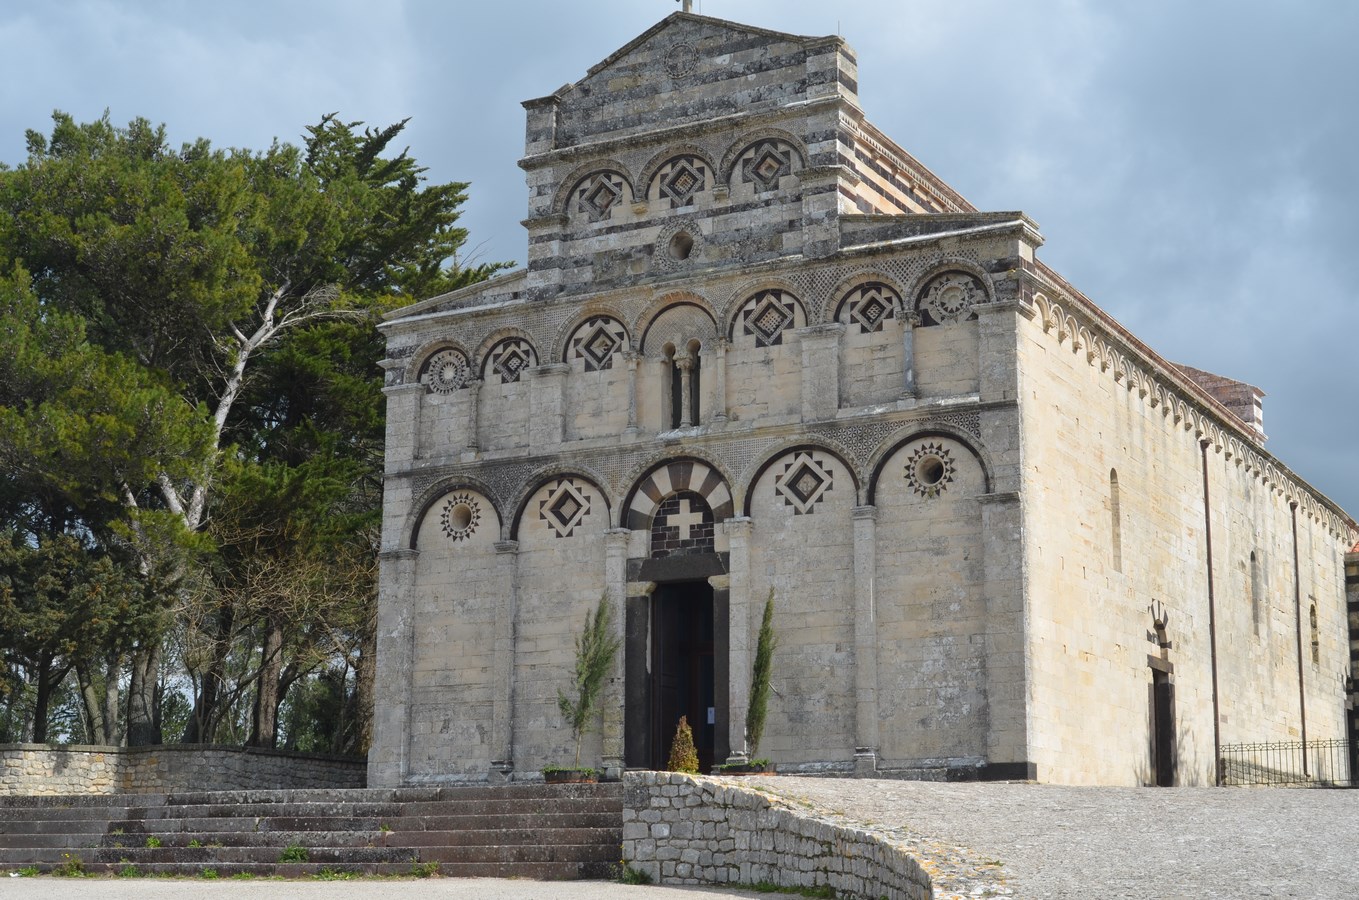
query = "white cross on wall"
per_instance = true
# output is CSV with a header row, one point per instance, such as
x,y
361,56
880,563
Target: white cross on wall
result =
x,y
684,518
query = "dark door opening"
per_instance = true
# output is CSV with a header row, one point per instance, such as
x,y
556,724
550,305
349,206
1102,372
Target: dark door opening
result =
x,y
682,674
1163,728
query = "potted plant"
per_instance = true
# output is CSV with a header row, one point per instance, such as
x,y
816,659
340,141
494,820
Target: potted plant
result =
x,y
596,647
765,646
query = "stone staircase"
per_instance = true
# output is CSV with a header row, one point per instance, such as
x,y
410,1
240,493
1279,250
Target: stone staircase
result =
x,y
511,831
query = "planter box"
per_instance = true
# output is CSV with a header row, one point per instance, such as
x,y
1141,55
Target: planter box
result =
x,y
571,776
746,769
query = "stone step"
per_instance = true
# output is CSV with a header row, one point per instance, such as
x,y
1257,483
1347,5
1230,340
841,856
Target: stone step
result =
x,y
54,826
212,855
262,810
544,871
525,831
67,813
600,853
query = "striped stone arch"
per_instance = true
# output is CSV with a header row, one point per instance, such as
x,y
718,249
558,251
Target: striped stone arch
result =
x,y
668,479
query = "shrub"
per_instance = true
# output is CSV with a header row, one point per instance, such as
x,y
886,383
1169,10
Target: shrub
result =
x,y
765,646
596,646
683,755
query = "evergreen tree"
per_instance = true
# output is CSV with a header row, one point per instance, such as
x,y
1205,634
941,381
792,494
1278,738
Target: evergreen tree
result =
x,y
596,647
760,672
234,293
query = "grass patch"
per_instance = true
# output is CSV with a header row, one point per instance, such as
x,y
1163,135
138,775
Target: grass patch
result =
x,y
70,867
129,871
425,870
329,874
629,875
243,876
209,874
153,842
195,843
29,872
294,853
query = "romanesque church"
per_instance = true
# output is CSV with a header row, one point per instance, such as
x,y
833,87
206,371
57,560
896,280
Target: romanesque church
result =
x,y
759,347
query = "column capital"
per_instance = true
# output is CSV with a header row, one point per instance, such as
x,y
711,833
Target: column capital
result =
x,y
405,553
738,524
506,546
864,512
640,588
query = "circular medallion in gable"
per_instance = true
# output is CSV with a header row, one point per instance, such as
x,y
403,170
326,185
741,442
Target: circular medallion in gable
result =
x,y
681,60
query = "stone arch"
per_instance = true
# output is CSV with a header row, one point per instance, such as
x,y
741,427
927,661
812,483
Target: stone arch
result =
x,y
549,474
915,432
672,154
503,336
762,464
748,140
1054,315
732,319
609,321
561,201
414,370
835,303
432,495
683,315
584,312
670,475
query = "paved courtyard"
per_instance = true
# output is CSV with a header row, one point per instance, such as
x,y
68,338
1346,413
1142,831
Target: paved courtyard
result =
x,y
1087,843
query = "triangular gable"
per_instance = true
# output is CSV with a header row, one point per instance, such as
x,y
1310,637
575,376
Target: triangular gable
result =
x,y
688,69
663,24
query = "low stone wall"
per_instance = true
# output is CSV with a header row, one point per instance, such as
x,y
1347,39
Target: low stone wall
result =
x,y
39,769
693,830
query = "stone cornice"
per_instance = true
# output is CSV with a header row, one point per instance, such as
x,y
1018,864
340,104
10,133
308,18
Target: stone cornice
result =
x,y
689,130
1077,322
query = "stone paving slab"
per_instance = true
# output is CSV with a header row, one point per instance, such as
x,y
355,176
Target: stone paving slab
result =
x,y
1087,842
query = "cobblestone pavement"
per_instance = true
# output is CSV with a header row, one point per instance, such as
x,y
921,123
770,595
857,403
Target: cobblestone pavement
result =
x,y
1099,843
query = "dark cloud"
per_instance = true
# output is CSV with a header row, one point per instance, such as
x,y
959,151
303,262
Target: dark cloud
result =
x,y
1189,163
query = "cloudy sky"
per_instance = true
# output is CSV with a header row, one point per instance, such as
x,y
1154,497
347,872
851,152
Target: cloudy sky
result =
x,y
1190,163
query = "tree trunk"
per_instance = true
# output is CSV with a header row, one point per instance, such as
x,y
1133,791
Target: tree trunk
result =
x,y
49,679
364,677
203,723
143,715
91,705
264,730
100,701
112,670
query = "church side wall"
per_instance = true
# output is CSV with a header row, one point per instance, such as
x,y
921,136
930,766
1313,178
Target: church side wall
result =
x,y
561,578
807,559
947,363
1106,561
930,608
460,579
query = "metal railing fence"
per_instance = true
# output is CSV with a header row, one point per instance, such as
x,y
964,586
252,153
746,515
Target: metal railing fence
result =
x,y
1327,763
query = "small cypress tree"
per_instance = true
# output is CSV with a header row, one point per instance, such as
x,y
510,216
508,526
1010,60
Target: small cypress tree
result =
x,y
596,646
683,755
765,646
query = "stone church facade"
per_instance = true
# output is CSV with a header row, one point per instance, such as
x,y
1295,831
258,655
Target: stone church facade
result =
x,y
758,347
